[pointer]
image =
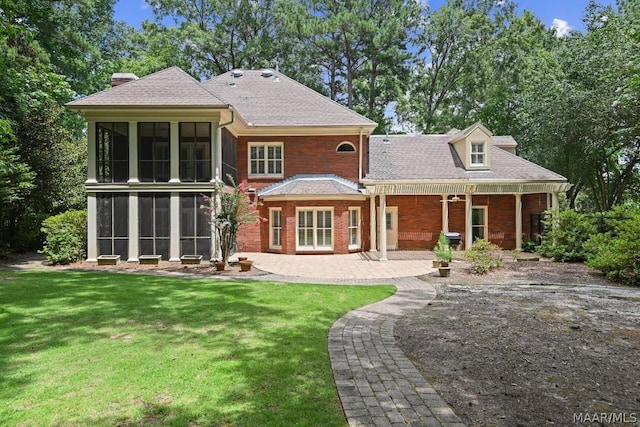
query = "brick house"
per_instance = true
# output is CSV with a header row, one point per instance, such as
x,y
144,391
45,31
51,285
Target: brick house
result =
x,y
324,182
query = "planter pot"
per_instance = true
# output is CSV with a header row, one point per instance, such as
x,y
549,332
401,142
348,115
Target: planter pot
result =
x,y
436,263
444,264
445,271
150,259
242,258
220,265
245,265
108,259
191,259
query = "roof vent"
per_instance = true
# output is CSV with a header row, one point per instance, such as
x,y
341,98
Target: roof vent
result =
x,y
267,72
386,139
237,73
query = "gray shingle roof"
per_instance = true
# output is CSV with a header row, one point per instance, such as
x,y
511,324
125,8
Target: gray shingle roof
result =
x,y
166,88
307,185
431,157
281,101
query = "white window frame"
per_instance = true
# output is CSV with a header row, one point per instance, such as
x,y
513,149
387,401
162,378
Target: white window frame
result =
x,y
474,156
314,227
266,160
354,228
275,230
485,226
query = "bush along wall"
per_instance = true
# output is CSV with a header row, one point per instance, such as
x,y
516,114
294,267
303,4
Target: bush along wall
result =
x,y
65,237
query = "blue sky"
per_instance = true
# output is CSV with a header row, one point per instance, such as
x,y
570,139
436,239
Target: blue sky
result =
x,y
562,13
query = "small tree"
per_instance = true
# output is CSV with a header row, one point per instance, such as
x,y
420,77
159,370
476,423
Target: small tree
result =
x,y
227,211
443,250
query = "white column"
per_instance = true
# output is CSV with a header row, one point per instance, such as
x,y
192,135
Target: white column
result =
x,y
555,204
134,248
518,221
133,153
383,227
468,219
216,152
174,143
92,228
91,153
445,212
372,223
174,246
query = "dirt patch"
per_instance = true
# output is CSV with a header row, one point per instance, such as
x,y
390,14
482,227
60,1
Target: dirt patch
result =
x,y
532,344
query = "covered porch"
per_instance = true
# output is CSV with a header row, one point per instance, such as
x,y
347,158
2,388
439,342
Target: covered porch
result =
x,y
455,206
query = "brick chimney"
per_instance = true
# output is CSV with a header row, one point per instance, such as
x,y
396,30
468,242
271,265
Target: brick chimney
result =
x,y
120,78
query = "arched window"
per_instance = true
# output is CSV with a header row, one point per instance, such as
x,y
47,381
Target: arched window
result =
x,y
346,147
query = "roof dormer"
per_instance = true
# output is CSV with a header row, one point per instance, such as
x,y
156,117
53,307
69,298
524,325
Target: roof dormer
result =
x,y
473,146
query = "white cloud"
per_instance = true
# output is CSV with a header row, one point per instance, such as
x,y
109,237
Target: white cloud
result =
x,y
562,27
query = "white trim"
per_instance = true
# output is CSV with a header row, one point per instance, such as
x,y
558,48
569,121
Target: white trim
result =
x,y
357,227
382,212
483,153
174,215
91,153
372,226
174,149
266,146
315,210
518,202
92,228
271,227
133,153
134,235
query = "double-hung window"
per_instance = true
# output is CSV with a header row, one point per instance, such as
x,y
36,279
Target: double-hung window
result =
x,y
479,222
354,228
477,154
315,229
266,159
275,228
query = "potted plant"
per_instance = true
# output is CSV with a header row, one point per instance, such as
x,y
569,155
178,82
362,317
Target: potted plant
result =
x,y
444,254
229,209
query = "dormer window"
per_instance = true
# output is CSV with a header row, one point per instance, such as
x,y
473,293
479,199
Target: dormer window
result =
x,y
477,154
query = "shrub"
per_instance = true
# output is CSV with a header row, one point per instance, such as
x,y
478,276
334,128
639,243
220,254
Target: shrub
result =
x,y
483,256
617,252
566,234
65,237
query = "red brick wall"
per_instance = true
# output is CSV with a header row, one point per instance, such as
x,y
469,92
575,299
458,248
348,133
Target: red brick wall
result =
x,y
253,239
418,216
305,155
419,221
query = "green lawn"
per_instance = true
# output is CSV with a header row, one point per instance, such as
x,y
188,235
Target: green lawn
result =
x,y
79,349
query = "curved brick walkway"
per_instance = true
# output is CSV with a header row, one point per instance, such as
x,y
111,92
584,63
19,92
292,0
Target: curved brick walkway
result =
x,y
377,384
